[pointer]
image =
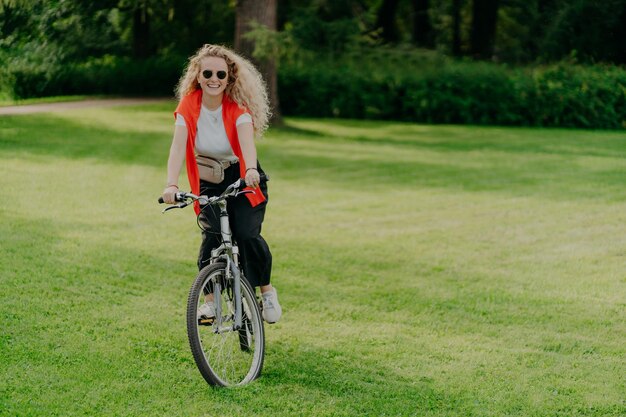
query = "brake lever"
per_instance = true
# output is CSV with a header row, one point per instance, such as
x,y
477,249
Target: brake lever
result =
x,y
244,192
181,205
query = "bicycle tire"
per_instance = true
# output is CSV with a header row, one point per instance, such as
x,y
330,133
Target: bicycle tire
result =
x,y
239,356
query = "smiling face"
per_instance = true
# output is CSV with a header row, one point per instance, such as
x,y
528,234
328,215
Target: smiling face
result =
x,y
213,67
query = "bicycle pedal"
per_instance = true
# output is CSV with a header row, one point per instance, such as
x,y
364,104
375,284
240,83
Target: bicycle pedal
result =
x,y
206,322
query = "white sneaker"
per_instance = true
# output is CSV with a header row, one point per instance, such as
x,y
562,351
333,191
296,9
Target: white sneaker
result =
x,y
206,310
271,307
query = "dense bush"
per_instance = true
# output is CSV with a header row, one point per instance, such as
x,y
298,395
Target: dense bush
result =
x,y
107,75
462,92
579,96
426,89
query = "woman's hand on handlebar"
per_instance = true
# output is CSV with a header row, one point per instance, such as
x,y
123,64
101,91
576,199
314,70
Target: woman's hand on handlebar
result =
x,y
169,194
253,179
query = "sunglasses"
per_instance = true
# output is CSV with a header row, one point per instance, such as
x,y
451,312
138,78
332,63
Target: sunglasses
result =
x,y
208,74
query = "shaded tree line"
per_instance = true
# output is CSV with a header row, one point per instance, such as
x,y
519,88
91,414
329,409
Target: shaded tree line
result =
x,y
516,31
138,28
391,59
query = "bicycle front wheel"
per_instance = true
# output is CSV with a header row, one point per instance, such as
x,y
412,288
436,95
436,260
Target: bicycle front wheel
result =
x,y
224,355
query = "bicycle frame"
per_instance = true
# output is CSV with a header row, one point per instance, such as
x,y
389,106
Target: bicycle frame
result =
x,y
229,253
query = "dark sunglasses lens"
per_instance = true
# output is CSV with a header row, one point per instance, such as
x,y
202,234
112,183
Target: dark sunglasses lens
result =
x,y
208,74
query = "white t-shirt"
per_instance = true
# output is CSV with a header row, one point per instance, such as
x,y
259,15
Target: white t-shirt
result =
x,y
211,139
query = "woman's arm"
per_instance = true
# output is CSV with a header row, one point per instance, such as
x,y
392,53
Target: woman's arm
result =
x,y
175,162
248,150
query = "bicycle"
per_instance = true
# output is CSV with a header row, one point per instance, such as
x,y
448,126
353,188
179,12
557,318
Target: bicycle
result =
x,y
229,348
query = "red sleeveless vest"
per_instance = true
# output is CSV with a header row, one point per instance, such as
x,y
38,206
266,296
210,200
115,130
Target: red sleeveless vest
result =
x,y
189,107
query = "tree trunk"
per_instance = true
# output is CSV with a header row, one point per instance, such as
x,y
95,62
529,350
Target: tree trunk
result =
x,y
422,29
264,13
141,31
386,20
456,27
484,17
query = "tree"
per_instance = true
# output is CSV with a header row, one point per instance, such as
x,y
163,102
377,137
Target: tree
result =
x,y
456,27
483,32
589,30
422,28
141,31
262,12
386,20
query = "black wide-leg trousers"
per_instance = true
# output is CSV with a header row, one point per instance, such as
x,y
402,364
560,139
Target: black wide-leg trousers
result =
x,y
245,223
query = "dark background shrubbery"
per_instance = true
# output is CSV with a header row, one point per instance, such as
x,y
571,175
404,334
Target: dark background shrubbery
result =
x,y
109,75
465,93
553,63
445,91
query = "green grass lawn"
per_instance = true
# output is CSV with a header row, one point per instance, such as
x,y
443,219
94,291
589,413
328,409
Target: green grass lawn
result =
x,y
7,101
423,270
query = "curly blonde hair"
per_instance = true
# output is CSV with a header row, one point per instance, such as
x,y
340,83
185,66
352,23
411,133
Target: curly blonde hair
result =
x,y
245,84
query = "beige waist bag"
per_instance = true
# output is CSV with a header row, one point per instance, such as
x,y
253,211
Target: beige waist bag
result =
x,y
210,169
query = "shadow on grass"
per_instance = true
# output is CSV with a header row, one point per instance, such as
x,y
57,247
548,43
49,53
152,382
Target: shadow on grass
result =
x,y
446,138
329,382
517,173
49,135
57,262
563,180
291,129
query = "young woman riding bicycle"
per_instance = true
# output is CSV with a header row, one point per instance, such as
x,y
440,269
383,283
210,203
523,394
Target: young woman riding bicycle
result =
x,y
223,105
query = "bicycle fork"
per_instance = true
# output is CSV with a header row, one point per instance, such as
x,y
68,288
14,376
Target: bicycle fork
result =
x,y
232,272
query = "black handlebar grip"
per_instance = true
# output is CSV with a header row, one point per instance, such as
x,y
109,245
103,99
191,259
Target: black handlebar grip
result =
x,y
263,177
177,197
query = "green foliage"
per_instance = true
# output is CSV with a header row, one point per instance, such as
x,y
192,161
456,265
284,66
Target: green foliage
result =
x,y
330,62
69,47
443,91
593,31
106,75
579,96
325,26
374,84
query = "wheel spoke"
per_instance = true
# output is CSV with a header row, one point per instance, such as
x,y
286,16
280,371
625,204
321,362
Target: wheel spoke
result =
x,y
226,357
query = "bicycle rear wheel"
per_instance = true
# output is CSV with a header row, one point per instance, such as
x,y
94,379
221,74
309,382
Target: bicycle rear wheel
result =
x,y
225,356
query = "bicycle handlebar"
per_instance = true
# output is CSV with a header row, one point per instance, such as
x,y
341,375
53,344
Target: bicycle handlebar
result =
x,y
231,191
